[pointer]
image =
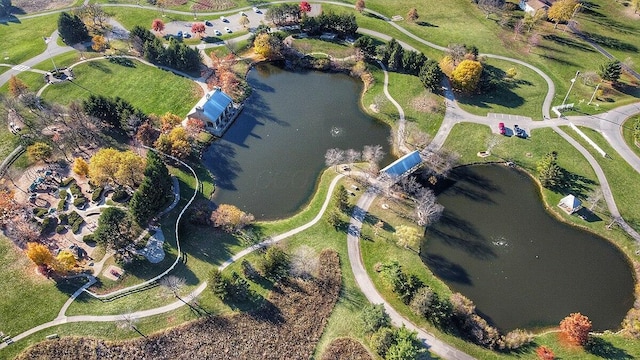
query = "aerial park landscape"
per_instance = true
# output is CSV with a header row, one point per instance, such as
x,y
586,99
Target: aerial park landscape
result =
x,y
325,179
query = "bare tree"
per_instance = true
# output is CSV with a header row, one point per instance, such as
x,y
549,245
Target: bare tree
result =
x,y
333,157
491,6
129,322
410,186
372,153
518,27
427,210
377,227
533,41
304,262
416,137
594,198
352,156
438,162
457,52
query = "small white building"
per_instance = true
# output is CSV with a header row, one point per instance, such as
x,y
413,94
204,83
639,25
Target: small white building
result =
x,y
570,204
531,6
216,110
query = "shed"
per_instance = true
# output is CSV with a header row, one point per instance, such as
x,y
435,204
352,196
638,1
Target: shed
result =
x,y
570,204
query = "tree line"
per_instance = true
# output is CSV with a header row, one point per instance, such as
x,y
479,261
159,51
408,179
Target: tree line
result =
x,y
176,55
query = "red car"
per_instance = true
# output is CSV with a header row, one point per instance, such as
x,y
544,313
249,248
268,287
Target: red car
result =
x,y
502,129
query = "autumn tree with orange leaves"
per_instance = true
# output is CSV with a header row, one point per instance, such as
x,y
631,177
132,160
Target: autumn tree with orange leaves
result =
x,y
225,78
544,353
198,29
8,206
157,25
576,328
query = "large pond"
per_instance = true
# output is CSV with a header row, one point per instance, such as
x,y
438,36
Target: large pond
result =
x,y
269,161
522,268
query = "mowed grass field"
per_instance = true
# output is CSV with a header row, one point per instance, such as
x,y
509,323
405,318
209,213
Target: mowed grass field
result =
x,y
148,88
22,40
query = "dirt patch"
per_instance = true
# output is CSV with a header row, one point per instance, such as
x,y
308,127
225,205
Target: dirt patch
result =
x,y
288,326
113,273
346,349
32,6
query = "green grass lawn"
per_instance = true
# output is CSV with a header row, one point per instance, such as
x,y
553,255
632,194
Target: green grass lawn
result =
x,y
613,26
627,132
148,88
28,298
22,40
621,176
522,95
33,80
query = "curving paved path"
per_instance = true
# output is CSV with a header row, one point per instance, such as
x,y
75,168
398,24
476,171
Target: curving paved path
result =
x,y
453,115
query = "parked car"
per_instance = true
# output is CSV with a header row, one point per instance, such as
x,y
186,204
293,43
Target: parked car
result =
x,y
186,35
223,19
502,128
217,32
179,34
227,30
242,13
208,23
256,10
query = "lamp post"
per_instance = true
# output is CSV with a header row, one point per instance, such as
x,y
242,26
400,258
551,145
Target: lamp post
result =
x,y
573,81
594,93
46,42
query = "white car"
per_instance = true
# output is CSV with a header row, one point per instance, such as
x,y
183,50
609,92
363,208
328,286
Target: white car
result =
x,y
256,10
223,19
227,30
217,32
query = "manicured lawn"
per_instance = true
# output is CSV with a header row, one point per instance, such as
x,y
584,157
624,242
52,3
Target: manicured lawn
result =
x,y
614,27
334,49
22,40
621,176
28,299
33,80
64,60
148,88
627,132
522,95
404,89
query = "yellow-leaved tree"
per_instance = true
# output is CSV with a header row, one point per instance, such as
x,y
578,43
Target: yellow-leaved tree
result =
x,y
64,262
268,45
169,121
466,76
408,236
39,254
562,11
230,218
39,151
80,167
119,167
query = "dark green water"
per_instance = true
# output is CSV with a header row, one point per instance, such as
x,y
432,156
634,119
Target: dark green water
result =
x,y
269,161
522,268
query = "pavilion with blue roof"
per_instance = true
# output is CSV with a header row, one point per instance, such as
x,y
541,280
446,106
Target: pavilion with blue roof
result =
x,y
403,166
216,110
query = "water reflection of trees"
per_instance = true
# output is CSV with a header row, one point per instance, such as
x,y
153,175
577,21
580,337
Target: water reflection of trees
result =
x,y
446,270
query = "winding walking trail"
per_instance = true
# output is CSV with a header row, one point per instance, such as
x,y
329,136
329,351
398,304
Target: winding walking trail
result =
x,y
608,123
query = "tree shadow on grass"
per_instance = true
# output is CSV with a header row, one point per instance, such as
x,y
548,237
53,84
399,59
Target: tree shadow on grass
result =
x,y
563,41
558,60
99,65
426,24
575,184
600,347
611,43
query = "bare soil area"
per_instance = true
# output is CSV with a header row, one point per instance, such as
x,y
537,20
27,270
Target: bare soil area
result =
x,y
287,326
346,349
34,6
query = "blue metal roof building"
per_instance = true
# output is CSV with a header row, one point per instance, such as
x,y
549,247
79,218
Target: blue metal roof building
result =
x,y
404,165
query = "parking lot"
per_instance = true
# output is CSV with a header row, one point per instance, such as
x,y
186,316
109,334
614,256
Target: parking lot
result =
x,y
216,26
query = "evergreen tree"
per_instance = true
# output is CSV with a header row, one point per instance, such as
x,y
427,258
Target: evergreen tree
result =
x,y
152,194
219,284
72,29
341,198
611,70
549,172
431,75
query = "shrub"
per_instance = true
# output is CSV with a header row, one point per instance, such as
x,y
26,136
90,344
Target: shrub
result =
x,y
422,301
75,189
576,328
75,221
60,229
63,194
382,340
67,181
48,225
119,195
40,212
78,202
374,317
95,196
62,205
88,238
275,263
64,219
